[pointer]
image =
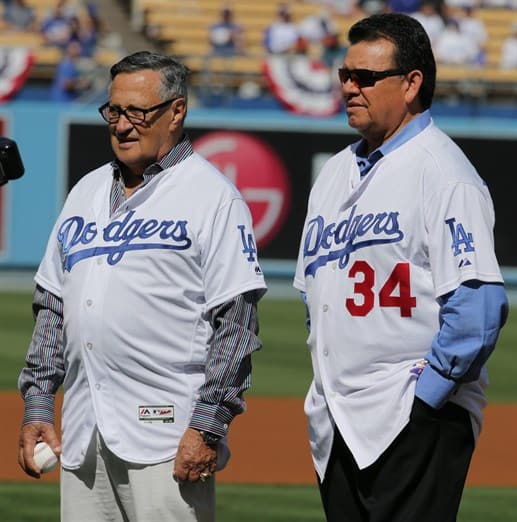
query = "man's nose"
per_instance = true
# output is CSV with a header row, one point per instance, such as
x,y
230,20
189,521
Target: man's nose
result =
x,y
349,85
123,123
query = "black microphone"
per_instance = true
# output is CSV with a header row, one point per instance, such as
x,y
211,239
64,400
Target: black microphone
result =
x,y
11,165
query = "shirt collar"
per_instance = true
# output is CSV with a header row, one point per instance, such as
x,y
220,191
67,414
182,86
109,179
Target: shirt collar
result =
x,y
410,130
181,151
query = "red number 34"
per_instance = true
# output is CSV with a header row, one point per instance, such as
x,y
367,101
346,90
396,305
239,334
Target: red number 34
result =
x,y
399,278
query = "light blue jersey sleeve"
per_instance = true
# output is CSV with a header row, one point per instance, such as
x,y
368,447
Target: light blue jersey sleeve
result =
x,y
470,320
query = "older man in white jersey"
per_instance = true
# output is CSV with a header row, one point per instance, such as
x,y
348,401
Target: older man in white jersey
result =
x,y
403,291
146,315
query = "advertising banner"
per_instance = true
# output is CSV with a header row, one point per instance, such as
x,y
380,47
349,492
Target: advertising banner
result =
x,y
274,170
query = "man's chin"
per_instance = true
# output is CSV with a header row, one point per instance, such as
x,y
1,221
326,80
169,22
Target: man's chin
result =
x,y
354,122
127,153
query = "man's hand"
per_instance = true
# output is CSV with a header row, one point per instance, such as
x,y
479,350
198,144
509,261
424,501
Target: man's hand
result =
x,y
31,434
195,460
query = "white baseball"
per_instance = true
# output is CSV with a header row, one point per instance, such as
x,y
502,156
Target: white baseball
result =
x,y
44,457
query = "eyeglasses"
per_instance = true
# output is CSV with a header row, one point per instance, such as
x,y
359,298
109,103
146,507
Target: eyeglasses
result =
x,y
366,78
135,115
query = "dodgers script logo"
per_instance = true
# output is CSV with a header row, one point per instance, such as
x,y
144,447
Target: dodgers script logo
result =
x,y
336,241
124,236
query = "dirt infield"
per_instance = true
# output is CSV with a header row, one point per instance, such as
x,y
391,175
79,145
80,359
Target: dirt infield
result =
x,y
269,445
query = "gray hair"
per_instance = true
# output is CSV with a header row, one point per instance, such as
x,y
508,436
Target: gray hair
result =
x,y
174,74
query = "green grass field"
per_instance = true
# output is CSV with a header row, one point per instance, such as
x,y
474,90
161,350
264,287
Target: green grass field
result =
x,y
281,368
39,502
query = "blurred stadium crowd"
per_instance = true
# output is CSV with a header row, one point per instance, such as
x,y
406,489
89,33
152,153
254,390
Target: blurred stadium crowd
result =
x,y
246,47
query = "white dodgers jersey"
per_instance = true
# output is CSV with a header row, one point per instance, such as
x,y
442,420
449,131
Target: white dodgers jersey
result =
x,y
136,288
375,254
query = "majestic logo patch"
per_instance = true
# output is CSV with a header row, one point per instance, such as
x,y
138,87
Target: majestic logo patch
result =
x,y
125,235
460,238
336,241
156,413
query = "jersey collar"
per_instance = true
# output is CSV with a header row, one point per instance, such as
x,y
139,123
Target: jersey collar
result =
x,y
181,151
414,127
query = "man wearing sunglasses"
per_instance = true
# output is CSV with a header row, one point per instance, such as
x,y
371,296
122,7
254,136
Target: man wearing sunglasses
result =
x,y
146,314
404,295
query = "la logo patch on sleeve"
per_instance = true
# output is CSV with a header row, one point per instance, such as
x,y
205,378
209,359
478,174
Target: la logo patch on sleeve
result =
x,y
462,241
153,413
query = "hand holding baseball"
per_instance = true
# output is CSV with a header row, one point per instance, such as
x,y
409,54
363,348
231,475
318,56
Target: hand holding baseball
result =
x,y
46,460
29,455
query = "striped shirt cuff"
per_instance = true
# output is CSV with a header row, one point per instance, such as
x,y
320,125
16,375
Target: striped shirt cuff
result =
x,y
213,418
39,408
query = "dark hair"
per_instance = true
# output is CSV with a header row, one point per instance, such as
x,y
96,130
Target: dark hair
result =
x,y
412,46
173,73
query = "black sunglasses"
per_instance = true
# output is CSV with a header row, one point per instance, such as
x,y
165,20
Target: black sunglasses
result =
x,y
136,115
365,77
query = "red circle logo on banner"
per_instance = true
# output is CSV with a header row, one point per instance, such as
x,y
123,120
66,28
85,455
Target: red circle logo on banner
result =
x,y
257,171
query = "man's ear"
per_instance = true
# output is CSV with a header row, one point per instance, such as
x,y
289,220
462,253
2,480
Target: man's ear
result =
x,y
178,112
414,79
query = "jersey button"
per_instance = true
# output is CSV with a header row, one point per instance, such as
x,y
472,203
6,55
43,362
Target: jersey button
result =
x,y
89,346
325,308
89,302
